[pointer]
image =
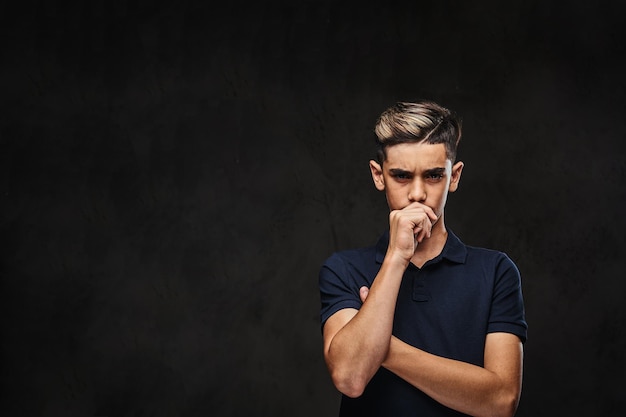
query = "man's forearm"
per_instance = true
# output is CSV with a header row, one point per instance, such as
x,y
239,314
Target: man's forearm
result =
x,y
358,348
467,388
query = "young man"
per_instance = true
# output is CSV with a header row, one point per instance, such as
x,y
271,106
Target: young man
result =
x,y
421,324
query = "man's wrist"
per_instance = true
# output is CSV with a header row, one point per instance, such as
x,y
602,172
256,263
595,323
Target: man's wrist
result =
x,y
396,260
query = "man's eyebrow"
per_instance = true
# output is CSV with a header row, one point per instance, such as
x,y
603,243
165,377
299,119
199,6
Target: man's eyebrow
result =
x,y
398,171
436,171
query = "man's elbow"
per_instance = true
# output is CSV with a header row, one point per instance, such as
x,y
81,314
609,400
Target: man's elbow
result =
x,y
506,406
349,384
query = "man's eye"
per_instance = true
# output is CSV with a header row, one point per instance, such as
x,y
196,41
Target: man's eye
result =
x,y
401,176
434,176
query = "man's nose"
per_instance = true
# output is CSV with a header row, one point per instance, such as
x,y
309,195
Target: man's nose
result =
x,y
417,192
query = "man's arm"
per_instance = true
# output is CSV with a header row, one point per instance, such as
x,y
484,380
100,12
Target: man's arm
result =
x,y
357,341
490,391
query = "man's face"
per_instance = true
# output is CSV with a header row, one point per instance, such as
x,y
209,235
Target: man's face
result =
x,y
417,172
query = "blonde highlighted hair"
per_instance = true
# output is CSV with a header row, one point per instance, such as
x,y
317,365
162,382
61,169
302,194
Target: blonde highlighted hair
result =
x,y
415,122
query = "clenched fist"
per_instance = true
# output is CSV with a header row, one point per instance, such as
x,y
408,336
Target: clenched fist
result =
x,y
408,227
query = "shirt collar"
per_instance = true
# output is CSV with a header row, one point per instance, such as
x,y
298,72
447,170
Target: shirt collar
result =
x,y
454,250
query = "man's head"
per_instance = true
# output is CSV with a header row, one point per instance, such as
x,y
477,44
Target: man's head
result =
x,y
417,152
416,122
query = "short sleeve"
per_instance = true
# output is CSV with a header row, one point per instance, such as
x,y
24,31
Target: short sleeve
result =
x,y
507,310
338,288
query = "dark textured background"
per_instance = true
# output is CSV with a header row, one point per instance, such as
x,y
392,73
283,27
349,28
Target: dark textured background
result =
x,y
173,176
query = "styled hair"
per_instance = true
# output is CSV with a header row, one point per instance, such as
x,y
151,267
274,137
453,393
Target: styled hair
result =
x,y
415,122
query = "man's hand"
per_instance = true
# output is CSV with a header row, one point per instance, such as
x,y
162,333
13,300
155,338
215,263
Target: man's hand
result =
x,y
363,293
408,227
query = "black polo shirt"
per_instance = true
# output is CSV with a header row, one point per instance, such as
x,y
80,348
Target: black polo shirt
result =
x,y
447,308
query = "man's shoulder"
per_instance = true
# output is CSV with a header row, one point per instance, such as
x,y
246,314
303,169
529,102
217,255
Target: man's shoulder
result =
x,y
359,257
490,259
484,251
352,255
482,254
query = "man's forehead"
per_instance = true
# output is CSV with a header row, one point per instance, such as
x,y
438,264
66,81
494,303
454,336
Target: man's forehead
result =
x,y
417,154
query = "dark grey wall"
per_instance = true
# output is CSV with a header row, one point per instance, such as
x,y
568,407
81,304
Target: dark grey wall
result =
x,y
173,176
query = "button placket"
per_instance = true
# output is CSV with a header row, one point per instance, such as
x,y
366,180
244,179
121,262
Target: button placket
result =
x,y
420,292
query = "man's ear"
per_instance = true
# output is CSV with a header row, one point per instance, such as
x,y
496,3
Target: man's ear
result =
x,y
457,169
377,175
